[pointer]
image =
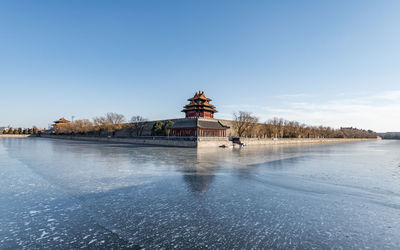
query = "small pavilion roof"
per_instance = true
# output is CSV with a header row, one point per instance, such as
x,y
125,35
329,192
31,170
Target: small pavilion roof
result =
x,y
61,120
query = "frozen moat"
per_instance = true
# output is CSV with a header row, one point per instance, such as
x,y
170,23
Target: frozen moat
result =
x,y
67,194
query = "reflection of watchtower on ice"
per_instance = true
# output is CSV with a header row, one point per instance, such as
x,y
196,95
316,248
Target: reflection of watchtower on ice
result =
x,y
198,181
202,173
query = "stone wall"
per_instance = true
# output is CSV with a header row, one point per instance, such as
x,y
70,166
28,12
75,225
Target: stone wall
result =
x,y
269,141
127,132
187,142
230,132
206,142
209,142
200,142
15,136
147,130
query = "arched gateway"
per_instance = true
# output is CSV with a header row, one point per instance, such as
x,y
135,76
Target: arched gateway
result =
x,y
199,119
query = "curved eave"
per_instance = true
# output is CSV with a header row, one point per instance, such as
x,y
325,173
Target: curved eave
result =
x,y
202,109
199,106
200,98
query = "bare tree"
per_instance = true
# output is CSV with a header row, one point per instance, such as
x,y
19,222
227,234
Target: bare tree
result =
x,y
138,124
114,122
243,123
267,130
109,124
276,126
99,124
114,118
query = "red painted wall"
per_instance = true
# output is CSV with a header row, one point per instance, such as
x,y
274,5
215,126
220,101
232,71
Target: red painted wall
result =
x,y
194,114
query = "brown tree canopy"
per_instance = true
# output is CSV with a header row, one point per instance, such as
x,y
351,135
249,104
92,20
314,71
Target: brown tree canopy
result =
x,y
99,123
281,128
76,127
103,124
110,123
243,123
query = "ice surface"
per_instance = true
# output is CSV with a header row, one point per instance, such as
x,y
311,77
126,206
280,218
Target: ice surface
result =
x,y
56,193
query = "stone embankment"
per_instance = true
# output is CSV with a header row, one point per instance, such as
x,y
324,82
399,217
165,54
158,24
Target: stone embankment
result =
x,y
269,141
203,142
187,142
15,136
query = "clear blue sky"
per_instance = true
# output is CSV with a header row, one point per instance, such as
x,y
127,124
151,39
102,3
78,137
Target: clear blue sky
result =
x,y
333,63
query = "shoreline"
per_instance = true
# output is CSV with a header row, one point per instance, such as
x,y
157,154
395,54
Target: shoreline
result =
x,y
204,142
16,136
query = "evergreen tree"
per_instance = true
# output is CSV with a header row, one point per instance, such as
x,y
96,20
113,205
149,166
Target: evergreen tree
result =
x,y
166,127
157,128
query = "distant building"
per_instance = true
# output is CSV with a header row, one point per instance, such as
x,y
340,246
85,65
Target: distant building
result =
x,y
199,119
60,121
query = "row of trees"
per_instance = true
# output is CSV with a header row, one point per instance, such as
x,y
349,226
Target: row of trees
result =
x,y
107,124
20,131
391,135
244,124
247,125
110,124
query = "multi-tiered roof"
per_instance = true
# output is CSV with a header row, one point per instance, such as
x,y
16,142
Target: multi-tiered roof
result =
x,y
199,106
